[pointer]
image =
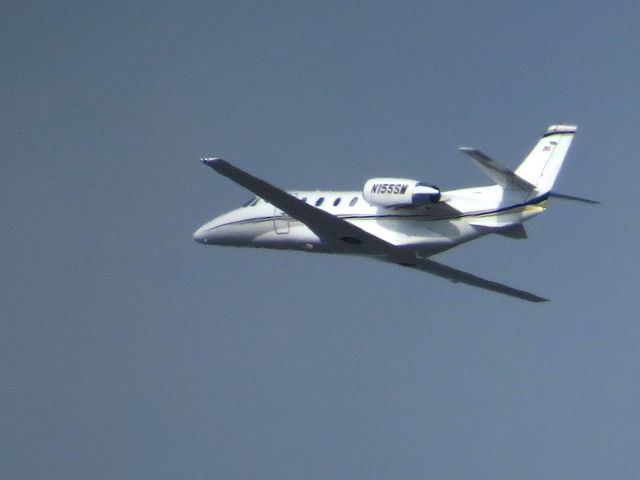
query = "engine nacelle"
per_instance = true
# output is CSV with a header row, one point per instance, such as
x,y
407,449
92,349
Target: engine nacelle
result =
x,y
399,192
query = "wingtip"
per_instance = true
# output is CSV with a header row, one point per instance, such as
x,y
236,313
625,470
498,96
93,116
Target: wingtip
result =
x,y
210,161
216,163
469,151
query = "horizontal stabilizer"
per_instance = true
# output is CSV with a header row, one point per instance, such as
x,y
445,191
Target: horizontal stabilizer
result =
x,y
517,232
571,197
498,173
512,230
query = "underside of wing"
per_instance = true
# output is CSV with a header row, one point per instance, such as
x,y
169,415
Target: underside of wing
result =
x,y
456,276
327,227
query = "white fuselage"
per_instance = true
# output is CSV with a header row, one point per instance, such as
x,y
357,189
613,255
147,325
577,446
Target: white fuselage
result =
x,y
462,215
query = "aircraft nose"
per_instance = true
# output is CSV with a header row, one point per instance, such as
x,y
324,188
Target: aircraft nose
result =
x,y
200,235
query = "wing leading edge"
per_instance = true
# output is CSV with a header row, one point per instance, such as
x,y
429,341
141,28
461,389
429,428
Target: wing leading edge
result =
x,y
333,229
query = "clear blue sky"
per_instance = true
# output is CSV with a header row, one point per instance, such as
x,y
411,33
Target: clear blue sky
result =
x,y
129,351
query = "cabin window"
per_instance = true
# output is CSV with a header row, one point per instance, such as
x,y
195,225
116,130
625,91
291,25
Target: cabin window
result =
x,y
353,201
304,199
319,201
336,202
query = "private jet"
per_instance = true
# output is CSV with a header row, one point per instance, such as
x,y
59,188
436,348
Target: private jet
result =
x,y
397,220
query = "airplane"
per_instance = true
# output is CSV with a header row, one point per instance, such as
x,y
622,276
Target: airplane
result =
x,y
398,220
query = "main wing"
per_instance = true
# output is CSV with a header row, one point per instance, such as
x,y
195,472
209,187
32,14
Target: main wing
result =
x,y
456,276
327,227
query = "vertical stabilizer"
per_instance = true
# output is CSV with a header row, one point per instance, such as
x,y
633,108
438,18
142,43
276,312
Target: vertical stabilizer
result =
x,y
542,165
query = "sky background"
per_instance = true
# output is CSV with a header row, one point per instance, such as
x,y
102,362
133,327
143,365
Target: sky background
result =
x,y
127,350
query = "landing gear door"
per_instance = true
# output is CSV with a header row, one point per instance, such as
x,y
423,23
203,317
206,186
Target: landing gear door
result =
x,y
280,221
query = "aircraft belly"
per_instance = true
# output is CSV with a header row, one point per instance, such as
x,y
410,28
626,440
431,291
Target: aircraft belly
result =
x,y
503,219
405,232
298,237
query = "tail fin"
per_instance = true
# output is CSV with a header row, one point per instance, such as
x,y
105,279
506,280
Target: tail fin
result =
x,y
542,165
